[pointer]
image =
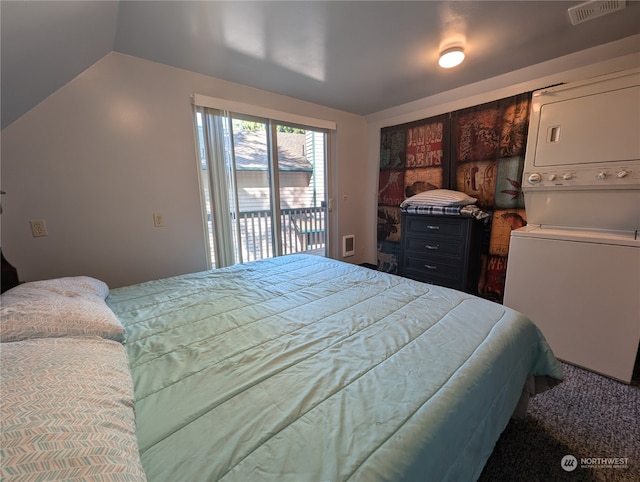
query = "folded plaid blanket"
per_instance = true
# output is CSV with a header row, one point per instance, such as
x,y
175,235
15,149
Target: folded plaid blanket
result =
x,y
471,210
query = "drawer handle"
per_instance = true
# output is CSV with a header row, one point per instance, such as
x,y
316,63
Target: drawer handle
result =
x,y
431,246
430,266
433,226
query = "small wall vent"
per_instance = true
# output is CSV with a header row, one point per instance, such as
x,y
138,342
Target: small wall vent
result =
x,y
593,9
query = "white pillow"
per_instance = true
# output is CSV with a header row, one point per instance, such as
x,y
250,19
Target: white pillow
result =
x,y
59,307
439,197
73,286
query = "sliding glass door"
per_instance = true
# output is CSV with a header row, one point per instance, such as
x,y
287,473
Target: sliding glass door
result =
x,y
263,187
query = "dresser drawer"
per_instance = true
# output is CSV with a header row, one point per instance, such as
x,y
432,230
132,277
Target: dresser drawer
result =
x,y
434,226
434,246
434,271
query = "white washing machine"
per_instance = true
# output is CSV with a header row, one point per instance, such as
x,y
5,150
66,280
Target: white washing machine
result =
x,y
575,268
582,289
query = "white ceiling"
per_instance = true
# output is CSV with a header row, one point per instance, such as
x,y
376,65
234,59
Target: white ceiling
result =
x,y
359,56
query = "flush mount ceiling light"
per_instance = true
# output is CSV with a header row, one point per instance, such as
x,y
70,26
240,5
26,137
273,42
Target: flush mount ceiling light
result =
x,y
451,57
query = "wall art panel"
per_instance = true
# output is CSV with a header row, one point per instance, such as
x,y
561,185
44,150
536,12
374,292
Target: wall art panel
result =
x,y
478,150
413,159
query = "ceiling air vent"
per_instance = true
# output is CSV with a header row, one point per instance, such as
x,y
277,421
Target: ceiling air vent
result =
x,y
593,9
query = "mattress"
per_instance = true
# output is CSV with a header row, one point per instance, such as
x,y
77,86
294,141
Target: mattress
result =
x,y
302,368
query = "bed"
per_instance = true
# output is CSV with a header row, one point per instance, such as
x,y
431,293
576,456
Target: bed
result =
x,y
302,368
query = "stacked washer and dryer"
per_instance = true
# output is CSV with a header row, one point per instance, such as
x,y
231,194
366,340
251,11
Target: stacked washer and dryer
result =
x,y
574,269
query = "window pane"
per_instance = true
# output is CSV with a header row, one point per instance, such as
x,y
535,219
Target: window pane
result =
x,y
301,169
252,172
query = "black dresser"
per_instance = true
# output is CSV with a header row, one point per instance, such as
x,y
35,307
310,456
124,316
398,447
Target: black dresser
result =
x,y
442,250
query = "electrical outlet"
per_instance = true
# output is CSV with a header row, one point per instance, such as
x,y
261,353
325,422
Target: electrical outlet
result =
x,y
38,228
158,220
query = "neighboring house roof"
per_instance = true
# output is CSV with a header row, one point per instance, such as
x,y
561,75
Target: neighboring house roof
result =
x,y
251,151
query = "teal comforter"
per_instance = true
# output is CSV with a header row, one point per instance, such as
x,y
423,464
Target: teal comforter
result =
x,y
302,368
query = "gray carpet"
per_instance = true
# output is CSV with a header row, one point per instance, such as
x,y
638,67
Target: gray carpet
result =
x,y
587,416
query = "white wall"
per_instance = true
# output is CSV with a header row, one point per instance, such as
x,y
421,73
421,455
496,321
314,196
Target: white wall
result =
x,y
620,55
98,157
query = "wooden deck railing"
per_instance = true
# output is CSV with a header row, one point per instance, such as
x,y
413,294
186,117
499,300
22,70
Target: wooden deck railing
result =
x,y
303,229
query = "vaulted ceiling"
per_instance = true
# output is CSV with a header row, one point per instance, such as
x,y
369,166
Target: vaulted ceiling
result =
x,y
357,56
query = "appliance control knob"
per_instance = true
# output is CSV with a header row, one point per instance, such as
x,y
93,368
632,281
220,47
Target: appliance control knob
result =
x,y
552,177
622,174
567,176
601,175
534,178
